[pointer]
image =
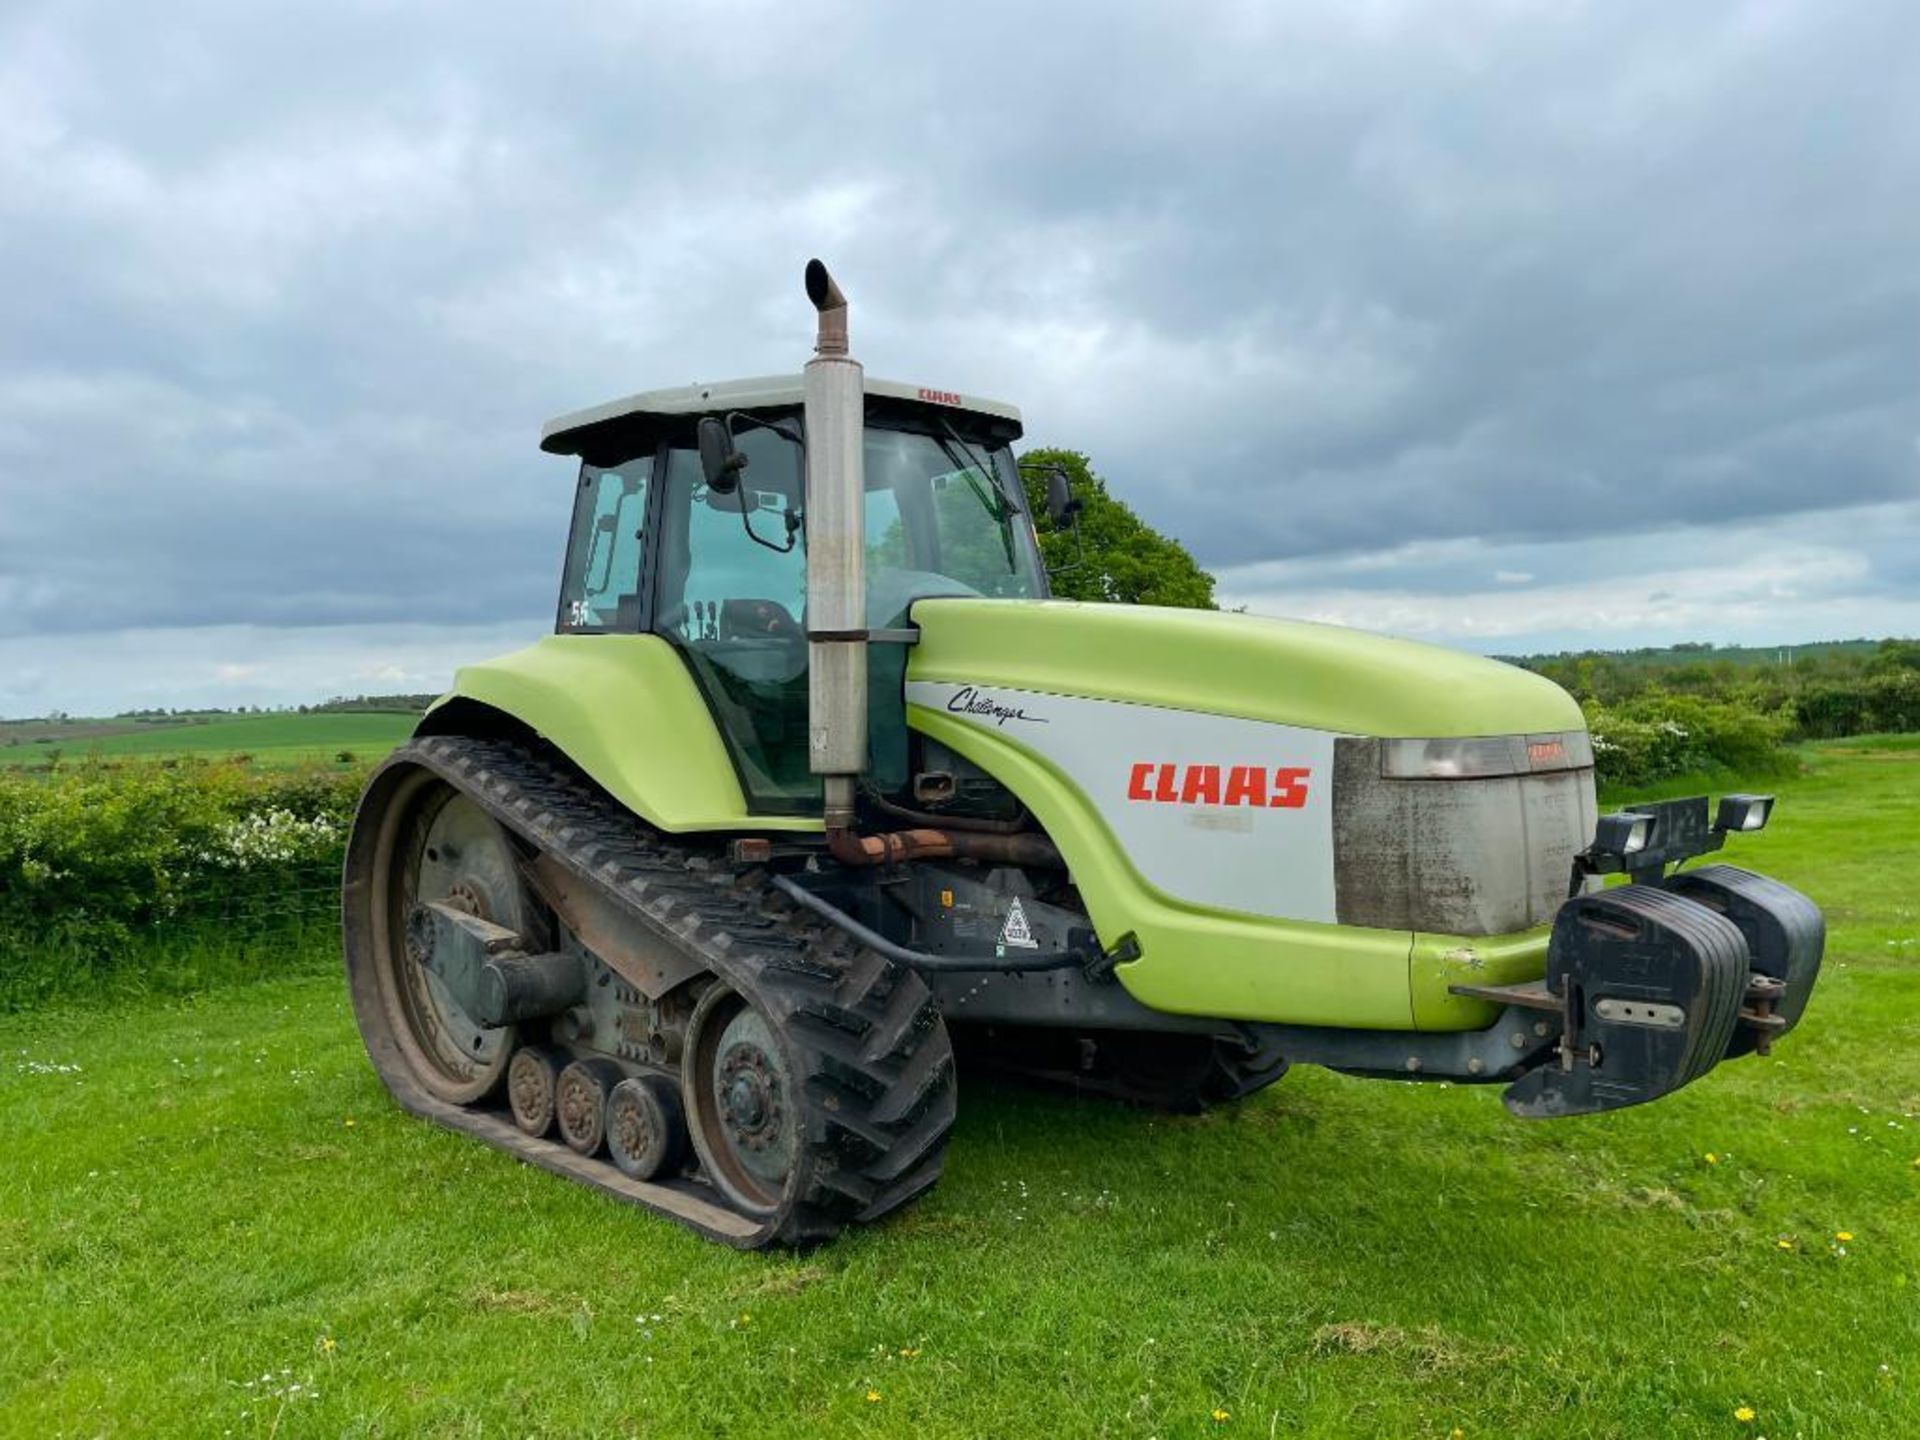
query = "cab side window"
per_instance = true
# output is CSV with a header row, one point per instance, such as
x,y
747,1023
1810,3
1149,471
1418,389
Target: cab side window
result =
x,y
734,602
600,588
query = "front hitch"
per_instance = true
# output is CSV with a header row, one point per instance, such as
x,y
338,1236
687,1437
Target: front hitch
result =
x,y
1654,983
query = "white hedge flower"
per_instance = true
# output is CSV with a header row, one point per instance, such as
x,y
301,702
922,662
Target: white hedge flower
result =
x,y
271,837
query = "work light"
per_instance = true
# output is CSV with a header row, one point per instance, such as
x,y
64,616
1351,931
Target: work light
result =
x,y
1743,812
1623,833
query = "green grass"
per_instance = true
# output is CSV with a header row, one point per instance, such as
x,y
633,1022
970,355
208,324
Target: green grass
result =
x,y
270,739
219,1203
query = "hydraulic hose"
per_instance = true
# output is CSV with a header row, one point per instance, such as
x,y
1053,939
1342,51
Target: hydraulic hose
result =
x,y
943,822
919,959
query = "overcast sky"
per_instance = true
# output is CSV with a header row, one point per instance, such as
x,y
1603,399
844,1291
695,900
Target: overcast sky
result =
x,y
1510,325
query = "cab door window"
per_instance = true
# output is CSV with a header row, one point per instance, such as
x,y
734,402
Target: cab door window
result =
x,y
732,596
600,588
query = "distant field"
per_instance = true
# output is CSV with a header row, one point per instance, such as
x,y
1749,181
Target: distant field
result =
x,y
270,739
1672,657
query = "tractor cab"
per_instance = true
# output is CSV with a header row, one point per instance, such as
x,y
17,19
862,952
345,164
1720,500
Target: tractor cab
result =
x,y
718,567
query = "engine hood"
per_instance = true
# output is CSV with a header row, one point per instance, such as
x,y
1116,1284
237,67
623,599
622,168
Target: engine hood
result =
x,y
1290,672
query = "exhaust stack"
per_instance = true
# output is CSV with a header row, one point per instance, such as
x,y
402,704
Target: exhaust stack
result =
x,y
836,555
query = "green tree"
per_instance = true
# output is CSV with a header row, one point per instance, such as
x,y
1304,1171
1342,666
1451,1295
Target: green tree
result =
x,y
1124,559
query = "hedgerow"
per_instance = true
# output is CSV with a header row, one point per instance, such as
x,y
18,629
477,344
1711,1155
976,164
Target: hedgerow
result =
x,y
1655,737
104,865
1653,719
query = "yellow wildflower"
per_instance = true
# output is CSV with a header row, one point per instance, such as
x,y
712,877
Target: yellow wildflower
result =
x,y
1745,1414
1843,1236
1784,1243
873,1397
1220,1417
909,1354
1456,1434
326,1344
1711,1158
349,1122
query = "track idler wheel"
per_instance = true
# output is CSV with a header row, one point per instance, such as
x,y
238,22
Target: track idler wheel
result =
x,y
1651,984
420,842
646,1128
532,1078
580,1103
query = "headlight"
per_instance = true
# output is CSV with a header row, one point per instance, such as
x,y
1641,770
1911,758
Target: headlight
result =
x,y
1482,756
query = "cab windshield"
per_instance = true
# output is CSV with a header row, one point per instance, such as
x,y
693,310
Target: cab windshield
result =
x,y
944,517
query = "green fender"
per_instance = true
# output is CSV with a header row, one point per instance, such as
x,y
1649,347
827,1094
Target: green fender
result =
x,y
625,709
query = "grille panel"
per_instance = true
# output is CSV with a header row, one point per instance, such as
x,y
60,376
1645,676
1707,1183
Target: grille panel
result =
x,y
1462,856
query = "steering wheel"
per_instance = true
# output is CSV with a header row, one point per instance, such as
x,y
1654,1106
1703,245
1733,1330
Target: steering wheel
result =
x,y
750,619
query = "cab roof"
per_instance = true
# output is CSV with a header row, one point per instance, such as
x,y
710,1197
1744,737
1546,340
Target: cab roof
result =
x,y
646,415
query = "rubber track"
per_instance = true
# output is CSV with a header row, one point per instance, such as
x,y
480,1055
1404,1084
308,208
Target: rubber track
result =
x,y
870,1048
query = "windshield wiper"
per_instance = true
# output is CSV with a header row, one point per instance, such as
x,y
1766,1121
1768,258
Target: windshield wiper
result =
x,y
969,458
989,495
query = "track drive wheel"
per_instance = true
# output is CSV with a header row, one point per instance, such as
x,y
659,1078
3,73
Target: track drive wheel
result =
x,y
433,843
818,1096
743,1100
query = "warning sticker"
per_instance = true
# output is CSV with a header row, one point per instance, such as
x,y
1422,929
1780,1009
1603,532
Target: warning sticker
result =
x,y
1016,931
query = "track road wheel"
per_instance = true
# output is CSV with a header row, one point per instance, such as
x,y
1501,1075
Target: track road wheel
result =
x,y
433,843
532,1077
580,1101
646,1129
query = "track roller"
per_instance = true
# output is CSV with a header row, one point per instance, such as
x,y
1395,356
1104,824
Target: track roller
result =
x,y
580,1103
532,1077
646,1127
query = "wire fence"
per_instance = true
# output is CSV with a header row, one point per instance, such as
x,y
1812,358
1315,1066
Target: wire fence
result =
x,y
297,900
248,926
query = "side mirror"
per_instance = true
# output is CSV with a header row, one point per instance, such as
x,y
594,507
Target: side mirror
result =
x,y
720,461
1062,503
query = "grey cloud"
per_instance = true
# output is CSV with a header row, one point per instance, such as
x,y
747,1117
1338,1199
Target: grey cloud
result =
x,y
289,293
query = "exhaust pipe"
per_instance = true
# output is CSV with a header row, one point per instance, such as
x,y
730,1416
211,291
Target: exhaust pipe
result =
x,y
832,305
835,390
837,634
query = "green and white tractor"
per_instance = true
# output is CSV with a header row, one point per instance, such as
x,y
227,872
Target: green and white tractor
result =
x,y
697,899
